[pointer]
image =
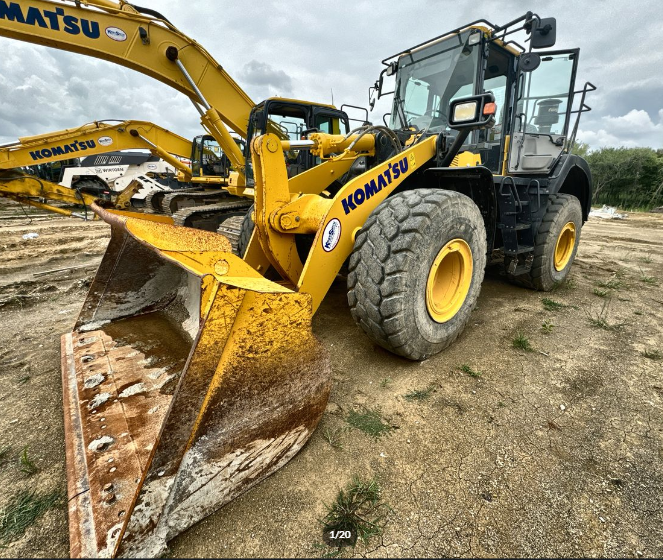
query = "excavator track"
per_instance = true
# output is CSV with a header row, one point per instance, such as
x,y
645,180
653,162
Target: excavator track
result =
x,y
154,200
211,216
231,228
178,200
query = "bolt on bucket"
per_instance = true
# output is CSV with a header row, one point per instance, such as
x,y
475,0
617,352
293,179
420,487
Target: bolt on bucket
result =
x,y
188,379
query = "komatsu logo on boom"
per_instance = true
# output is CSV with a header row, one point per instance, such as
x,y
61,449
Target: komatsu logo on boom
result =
x,y
49,19
75,146
360,195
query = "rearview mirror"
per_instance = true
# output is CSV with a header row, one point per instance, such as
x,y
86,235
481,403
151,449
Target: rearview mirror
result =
x,y
529,62
477,111
544,34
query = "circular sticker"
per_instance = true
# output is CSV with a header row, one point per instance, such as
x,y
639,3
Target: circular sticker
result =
x,y
152,166
105,141
116,34
331,235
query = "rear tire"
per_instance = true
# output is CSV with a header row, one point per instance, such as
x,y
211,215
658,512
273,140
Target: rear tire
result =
x,y
555,247
393,270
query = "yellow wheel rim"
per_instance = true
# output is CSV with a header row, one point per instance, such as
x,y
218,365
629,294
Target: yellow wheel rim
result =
x,y
565,244
449,280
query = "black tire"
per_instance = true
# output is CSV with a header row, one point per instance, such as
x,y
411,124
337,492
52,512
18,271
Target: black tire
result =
x,y
390,265
94,187
543,276
245,232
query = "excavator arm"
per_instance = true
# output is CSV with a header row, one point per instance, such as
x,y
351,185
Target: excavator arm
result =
x,y
97,138
145,42
89,139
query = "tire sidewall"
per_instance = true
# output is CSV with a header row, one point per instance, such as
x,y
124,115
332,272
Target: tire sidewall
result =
x,y
441,232
570,212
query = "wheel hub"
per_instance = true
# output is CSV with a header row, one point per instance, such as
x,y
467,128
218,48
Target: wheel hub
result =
x,y
564,247
449,280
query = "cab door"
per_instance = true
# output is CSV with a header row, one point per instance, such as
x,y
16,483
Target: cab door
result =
x,y
544,98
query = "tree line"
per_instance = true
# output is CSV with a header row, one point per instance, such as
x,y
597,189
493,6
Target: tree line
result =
x,y
630,178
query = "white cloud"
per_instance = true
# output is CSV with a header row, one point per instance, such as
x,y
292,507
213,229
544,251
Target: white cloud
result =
x,y
270,47
634,129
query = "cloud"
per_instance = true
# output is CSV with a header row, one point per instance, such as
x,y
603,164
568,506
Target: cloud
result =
x,y
271,49
265,80
634,129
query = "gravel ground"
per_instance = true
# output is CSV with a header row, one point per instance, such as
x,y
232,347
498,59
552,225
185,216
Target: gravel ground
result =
x,y
553,452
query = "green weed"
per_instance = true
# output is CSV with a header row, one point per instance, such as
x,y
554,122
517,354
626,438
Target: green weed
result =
x,y
601,293
358,509
547,327
419,394
469,371
333,437
27,465
612,284
552,305
521,342
22,511
647,279
369,421
599,319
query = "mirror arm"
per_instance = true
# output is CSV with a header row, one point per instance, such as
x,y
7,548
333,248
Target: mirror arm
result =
x,y
455,147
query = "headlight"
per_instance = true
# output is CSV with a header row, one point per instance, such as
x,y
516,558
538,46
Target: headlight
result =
x,y
464,112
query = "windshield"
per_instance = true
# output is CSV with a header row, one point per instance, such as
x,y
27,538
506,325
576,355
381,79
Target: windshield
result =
x,y
429,79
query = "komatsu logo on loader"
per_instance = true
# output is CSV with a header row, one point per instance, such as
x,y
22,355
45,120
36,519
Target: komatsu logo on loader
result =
x,y
392,173
49,19
75,146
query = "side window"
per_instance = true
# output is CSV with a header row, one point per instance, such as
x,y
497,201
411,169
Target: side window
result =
x,y
416,98
498,86
544,96
330,124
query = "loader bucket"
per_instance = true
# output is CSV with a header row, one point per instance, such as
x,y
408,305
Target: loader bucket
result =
x,y
188,379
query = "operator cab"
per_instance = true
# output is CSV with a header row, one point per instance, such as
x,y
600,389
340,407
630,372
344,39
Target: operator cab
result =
x,y
208,159
533,94
293,120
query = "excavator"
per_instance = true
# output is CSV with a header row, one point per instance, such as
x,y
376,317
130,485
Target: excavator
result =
x,y
192,374
145,41
90,139
209,167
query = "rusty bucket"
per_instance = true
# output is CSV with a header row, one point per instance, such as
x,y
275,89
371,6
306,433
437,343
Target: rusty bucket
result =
x,y
188,379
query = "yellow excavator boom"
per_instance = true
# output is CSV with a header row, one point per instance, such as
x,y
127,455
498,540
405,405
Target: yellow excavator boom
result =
x,y
145,42
97,138
89,139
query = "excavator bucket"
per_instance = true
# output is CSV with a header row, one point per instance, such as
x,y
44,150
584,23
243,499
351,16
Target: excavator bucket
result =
x,y
188,379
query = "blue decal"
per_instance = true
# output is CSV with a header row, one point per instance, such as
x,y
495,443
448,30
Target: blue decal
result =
x,y
49,19
75,146
374,186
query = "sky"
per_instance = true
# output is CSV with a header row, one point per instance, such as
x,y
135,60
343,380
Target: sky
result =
x,y
318,51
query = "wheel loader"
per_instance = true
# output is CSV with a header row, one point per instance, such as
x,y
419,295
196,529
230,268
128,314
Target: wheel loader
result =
x,y
192,374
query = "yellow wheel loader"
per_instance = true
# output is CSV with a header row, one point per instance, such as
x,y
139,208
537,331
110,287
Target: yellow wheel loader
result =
x,y
192,374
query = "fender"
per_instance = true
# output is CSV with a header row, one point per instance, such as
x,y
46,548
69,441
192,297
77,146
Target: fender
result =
x,y
571,175
477,183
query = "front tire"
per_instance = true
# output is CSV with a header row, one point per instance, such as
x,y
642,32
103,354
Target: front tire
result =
x,y
416,270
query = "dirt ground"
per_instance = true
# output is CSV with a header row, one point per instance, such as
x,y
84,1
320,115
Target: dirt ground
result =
x,y
553,452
